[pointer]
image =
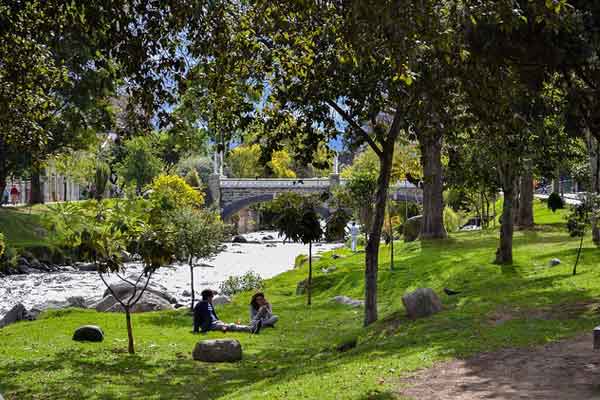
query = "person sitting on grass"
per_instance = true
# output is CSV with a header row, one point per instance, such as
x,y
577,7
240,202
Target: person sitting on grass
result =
x,y
206,319
261,311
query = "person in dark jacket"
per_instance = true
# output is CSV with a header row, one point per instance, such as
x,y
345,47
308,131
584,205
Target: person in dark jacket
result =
x,y
206,319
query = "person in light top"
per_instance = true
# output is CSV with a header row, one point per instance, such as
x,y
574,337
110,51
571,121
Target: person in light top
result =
x,y
354,231
261,311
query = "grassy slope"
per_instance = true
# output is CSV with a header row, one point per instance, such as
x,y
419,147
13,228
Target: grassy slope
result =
x,y
19,225
298,359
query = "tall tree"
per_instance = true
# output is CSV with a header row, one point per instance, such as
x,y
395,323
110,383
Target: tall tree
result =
x,y
348,61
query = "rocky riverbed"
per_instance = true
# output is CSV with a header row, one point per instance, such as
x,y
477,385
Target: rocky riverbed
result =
x,y
263,253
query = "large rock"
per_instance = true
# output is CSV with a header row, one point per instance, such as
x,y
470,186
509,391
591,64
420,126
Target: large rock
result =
x,y
421,303
239,239
221,299
554,262
88,333
17,313
87,267
220,350
412,228
74,301
348,301
77,302
124,290
148,302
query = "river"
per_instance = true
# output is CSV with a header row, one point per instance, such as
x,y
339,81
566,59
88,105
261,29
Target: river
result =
x,y
268,259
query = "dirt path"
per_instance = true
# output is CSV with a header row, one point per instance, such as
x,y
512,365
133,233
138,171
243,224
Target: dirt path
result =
x,y
565,370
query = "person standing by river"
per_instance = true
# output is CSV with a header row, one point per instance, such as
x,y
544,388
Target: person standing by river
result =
x,y
354,231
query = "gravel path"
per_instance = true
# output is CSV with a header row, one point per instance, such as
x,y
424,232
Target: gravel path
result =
x,y
565,370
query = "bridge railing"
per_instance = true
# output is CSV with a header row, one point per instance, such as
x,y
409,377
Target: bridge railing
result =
x,y
296,183
275,183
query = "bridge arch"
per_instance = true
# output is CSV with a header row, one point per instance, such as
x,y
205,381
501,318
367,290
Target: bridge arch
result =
x,y
234,207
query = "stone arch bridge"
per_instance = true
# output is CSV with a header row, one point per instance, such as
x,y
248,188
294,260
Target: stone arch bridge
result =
x,y
235,194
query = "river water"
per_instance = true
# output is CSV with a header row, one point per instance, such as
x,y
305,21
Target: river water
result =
x,y
34,290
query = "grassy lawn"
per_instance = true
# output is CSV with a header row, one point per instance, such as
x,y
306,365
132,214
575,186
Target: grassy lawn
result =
x,y
19,225
527,304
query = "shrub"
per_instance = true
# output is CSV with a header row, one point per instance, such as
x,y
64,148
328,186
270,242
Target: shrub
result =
x,y
201,164
237,284
336,225
300,260
141,162
451,219
2,244
170,192
101,179
193,179
555,202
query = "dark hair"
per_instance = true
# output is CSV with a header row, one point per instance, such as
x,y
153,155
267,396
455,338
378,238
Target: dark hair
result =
x,y
253,302
206,293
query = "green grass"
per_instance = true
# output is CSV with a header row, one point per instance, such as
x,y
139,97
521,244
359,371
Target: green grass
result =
x,y
19,226
523,305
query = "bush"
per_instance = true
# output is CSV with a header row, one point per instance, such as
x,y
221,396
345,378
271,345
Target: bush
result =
x,y
451,220
169,192
555,202
2,244
193,179
8,255
141,162
201,164
336,225
101,178
237,284
300,261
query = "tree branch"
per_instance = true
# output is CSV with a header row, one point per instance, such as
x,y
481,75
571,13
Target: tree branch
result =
x,y
143,290
135,288
348,118
110,290
124,280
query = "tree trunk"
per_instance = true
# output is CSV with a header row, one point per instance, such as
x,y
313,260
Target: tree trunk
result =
x,y
516,202
593,148
192,282
372,249
556,184
391,247
525,215
495,200
309,286
595,231
578,255
504,252
391,237
37,187
2,188
130,347
432,226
